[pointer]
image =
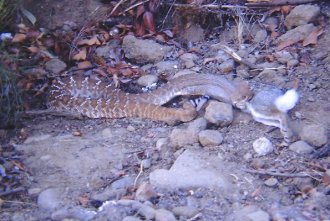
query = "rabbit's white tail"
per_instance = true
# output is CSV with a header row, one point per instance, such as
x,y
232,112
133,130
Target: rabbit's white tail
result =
x,y
287,101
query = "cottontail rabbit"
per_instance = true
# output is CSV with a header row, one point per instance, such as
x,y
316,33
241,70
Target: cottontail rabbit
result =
x,y
270,106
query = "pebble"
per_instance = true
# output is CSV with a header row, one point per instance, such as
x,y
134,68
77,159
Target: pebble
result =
x,y
301,15
301,147
249,213
314,134
122,183
146,163
167,66
183,137
262,146
185,211
37,138
130,128
131,218
260,36
162,144
144,210
184,72
188,59
145,192
34,191
143,51
55,66
227,66
271,182
210,138
219,113
164,215
50,199
271,77
147,80
77,213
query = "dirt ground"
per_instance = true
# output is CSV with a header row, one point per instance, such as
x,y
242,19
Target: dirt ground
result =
x,y
75,166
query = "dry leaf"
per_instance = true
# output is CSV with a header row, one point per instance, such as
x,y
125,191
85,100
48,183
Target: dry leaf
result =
x,y
82,54
285,44
312,37
19,37
85,65
93,41
285,9
33,49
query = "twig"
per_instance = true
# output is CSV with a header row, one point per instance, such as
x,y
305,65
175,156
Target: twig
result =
x,y
279,3
262,69
237,58
116,6
134,6
198,215
280,174
138,176
16,190
214,6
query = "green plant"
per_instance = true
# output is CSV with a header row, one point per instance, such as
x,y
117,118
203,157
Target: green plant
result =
x,y
10,99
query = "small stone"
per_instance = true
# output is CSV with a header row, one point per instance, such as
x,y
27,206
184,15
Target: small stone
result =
x,y
301,147
188,60
55,66
130,128
271,77
167,66
146,163
227,66
260,36
50,199
185,211
218,113
247,156
271,182
143,50
37,138
147,80
292,63
210,138
164,215
262,146
314,134
122,183
259,215
301,15
131,218
145,192
184,137
162,144
34,191
272,23
107,133
146,211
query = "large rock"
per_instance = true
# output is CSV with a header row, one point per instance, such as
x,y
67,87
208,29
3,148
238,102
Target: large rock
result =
x,y
188,136
297,34
301,15
143,51
193,169
219,113
314,134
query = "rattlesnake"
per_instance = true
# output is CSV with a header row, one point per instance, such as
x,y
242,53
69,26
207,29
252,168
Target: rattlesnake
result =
x,y
94,98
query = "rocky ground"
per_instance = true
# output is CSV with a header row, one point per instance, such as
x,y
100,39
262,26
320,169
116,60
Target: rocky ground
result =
x,y
208,169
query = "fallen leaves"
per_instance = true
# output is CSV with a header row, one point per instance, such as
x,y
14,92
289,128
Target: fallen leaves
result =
x,y
81,55
312,37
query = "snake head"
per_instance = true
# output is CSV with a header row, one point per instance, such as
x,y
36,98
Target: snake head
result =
x,y
241,94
